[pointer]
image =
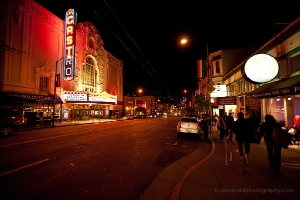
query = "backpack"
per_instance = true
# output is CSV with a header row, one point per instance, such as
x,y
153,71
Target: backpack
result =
x,y
280,137
220,124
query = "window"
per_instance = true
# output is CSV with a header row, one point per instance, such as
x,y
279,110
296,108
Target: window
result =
x,y
89,76
218,70
44,83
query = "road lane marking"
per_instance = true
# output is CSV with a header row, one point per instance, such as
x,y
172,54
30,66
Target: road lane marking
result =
x,y
58,136
26,166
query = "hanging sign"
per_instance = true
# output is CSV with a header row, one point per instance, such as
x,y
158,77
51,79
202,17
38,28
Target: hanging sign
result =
x,y
69,46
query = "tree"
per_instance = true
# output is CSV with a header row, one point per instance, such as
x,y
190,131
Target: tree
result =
x,y
201,104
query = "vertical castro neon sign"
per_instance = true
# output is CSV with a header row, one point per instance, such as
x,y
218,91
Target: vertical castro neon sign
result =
x,y
70,40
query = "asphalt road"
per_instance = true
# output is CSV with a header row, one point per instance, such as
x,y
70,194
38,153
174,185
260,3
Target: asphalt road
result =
x,y
116,160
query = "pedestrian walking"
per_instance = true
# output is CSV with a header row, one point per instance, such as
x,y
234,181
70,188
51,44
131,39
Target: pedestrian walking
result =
x,y
221,127
204,124
254,125
241,129
229,123
273,150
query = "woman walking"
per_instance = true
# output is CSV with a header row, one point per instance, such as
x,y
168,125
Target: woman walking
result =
x,y
273,150
221,127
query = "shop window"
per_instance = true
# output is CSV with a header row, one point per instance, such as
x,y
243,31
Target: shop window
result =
x,y
44,84
218,70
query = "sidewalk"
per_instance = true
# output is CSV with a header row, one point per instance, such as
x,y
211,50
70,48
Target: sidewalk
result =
x,y
73,123
214,177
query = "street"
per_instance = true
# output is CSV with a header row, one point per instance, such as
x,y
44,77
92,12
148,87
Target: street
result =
x,y
116,160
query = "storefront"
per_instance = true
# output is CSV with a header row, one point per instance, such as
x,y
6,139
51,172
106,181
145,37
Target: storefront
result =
x,y
84,105
279,98
32,106
224,104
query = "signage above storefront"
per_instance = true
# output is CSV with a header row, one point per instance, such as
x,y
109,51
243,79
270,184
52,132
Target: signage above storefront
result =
x,y
102,97
230,100
69,46
75,96
260,68
279,92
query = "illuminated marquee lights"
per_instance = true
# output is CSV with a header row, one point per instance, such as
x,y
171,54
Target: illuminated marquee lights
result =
x,y
70,39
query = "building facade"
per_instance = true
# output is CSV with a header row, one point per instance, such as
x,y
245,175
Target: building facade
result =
x,y
279,96
140,106
56,67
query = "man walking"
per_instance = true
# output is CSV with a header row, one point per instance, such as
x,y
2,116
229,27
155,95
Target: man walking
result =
x,y
229,123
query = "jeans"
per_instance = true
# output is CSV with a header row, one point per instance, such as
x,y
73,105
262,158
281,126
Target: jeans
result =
x,y
228,132
274,157
222,133
205,133
247,147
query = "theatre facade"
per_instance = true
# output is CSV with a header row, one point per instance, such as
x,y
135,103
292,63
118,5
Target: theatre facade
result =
x,y
56,67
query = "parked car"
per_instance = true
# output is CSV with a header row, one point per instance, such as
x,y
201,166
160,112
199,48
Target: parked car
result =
x,y
10,121
192,115
188,125
127,117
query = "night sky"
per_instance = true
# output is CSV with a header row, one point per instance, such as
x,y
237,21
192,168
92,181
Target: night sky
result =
x,y
146,34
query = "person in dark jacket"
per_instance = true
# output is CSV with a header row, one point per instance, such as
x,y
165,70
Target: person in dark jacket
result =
x,y
204,124
254,124
241,128
229,123
273,151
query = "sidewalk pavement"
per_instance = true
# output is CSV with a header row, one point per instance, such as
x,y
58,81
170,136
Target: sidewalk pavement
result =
x,y
216,177
73,123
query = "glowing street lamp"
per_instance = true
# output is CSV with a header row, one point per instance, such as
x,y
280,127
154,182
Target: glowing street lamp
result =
x,y
184,41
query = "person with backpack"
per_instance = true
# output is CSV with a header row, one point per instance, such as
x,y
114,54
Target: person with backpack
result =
x,y
254,125
273,150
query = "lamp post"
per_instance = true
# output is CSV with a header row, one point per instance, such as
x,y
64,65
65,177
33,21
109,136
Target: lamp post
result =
x,y
134,99
54,92
184,41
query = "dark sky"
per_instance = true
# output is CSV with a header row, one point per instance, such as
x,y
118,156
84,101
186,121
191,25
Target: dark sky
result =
x,y
145,34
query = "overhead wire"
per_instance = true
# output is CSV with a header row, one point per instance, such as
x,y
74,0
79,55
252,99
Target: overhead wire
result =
x,y
125,45
168,91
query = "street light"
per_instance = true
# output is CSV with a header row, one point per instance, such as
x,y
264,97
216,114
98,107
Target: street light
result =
x,y
54,92
134,98
184,41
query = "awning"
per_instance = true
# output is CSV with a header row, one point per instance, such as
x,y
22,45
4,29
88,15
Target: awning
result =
x,y
288,86
58,100
259,92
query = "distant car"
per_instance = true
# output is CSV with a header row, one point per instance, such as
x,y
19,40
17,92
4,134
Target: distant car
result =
x,y
188,125
127,117
10,121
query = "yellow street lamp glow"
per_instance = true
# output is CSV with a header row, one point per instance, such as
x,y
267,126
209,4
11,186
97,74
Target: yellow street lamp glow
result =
x,y
183,41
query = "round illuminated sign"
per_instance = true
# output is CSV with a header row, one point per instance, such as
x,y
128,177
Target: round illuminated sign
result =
x,y
261,68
